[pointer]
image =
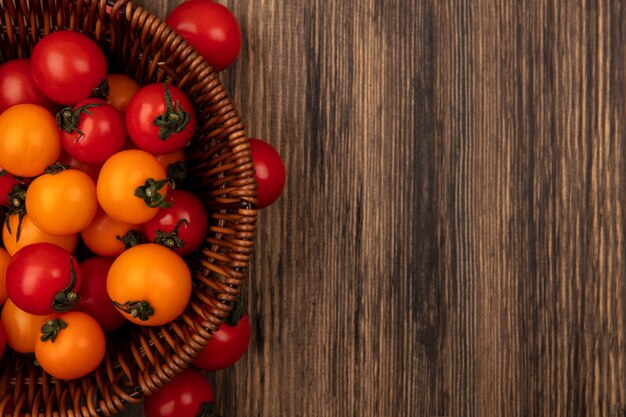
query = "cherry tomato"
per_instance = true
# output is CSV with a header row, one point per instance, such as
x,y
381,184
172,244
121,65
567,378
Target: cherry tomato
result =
x,y
21,328
93,170
43,279
70,346
270,172
210,28
67,66
119,181
94,299
101,236
17,85
226,347
3,340
160,118
7,182
174,164
5,258
149,284
30,234
171,158
63,203
29,140
121,89
183,396
182,226
92,130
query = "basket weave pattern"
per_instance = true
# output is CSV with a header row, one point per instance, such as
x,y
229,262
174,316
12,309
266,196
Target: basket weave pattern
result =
x,y
139,360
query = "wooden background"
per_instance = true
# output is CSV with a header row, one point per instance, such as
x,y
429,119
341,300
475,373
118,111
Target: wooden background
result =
x,y
450,241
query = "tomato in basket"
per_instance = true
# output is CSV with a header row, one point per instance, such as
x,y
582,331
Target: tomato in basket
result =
x,y
189,394
17,85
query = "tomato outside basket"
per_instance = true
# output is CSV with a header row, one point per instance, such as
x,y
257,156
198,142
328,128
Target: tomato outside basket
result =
x,y
140,360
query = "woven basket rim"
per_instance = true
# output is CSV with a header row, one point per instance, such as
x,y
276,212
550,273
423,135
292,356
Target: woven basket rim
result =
x,y
223,176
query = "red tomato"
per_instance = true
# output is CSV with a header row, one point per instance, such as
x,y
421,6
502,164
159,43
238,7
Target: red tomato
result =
x,y
92,130
182,226
270,172
94,299
3,340
17,85
43,279
183,396
93,170
228,345
160,118
210,28
67,66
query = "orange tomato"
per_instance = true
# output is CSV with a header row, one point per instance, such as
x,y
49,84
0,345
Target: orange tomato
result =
x,y
63,203
120,178
171,158
30,234
70,346
21,328
101,235
29,140
149,284
121,89
5,258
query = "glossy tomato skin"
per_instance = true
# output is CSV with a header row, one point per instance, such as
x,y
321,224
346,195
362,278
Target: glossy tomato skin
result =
x,y
94,299
117,184
103,131
76,351
20,327
63,203
151,274
17,85
37,273
183,396
121,89
210,28
31,234
101,235
185,207
67,66
148,103
29,140
5,258
269,172
226,347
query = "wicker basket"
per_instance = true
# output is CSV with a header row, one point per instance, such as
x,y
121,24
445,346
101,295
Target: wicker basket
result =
x,y
139,360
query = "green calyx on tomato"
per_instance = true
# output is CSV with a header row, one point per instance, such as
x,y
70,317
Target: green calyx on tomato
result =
x,y
102,91
68,118
17,206
149,192
176,172
207,410
137,309
65,299
50,330
173,120
131,239
56,168
171,240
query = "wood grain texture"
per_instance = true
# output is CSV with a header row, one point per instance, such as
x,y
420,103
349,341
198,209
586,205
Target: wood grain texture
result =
x,y
450,239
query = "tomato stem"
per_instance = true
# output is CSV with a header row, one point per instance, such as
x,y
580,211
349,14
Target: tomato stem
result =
x,y
207,409
101,91
149,193
137,309
51,328
173,120
131,239
68,118
17,205
176,172
170,240
65,299
56,168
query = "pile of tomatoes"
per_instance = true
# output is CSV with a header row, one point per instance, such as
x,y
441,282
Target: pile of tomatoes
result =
x,y
97,221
